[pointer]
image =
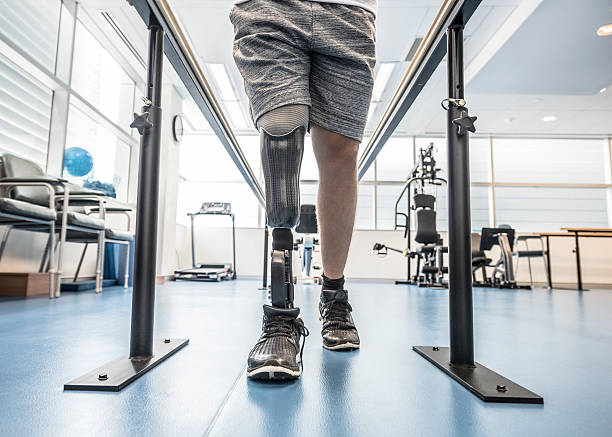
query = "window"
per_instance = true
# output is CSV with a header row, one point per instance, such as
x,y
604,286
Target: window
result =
x,y
94,157
25,114
395,160
364,218
545,184
100,80
548,209
33,26
209,175
561,161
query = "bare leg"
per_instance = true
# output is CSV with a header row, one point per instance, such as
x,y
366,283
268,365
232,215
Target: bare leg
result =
x,y
337,199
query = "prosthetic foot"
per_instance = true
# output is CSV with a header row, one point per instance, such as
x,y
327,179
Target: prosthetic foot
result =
x,y
277,354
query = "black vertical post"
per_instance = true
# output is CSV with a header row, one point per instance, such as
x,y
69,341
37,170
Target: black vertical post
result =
x,y
459,222
143,298
265,259
234,246
193,263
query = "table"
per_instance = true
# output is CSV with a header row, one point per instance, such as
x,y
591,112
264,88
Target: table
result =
x,y
576,233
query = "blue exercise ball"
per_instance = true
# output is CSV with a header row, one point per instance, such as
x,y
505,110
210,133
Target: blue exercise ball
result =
x,y
77,161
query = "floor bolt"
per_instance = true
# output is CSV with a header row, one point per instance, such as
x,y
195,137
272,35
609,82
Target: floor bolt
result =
x,y
501,387
102,377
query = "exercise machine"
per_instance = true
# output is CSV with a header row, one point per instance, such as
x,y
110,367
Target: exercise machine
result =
x,y
503,275
308,227
430,269
210,272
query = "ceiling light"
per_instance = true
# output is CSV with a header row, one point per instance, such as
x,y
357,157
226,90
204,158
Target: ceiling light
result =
x,y
605,30
549,118
603,90
382,77
223,81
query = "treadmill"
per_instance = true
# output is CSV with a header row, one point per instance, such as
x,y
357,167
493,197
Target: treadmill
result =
x,y
210,272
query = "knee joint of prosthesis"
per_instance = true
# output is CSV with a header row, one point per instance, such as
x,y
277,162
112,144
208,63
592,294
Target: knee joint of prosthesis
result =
x,y
282,147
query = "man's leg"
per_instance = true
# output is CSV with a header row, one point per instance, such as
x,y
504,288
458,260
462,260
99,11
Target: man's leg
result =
x,y
337,161
336,157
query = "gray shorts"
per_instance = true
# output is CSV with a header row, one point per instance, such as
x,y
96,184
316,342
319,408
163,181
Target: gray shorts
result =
x,y
304,52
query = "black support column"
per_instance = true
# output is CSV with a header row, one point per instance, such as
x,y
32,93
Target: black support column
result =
x,y
458,360
459,221
145,353
143,297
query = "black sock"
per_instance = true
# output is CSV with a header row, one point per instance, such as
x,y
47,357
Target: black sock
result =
x,y
333,284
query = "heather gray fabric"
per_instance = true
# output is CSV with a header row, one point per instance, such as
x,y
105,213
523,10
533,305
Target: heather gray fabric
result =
x,y
370,5
296,52
284,120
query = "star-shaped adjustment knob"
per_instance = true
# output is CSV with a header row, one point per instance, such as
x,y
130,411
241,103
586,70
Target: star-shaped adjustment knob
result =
x,y
141,122
465,123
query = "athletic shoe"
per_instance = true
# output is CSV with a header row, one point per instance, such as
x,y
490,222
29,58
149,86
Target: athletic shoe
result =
x,y
278,354
339,331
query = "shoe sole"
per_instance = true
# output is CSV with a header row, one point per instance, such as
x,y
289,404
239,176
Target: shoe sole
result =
x,y
342,347
337,347
273,372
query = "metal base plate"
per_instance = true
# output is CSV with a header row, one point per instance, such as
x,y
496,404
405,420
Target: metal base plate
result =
x,y
481,381
115,375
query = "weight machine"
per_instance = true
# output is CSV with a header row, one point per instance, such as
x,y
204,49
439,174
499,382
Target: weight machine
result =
x,y
430,254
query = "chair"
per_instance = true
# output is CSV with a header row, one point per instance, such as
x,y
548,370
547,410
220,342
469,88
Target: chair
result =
x,y
518,254
431,250
16,212
26,178
111,235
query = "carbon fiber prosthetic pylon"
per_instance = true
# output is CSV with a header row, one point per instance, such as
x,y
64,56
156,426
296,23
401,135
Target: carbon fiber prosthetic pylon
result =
x,y
281,158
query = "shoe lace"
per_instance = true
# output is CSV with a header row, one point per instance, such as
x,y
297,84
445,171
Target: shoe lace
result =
x,y
336,313
284,326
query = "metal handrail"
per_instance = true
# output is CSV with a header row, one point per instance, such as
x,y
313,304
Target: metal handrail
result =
x,y
428,56
182,57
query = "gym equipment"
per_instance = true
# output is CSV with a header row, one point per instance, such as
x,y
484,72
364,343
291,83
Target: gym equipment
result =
x,y
281,157
210,272
308,226
503,275
431,251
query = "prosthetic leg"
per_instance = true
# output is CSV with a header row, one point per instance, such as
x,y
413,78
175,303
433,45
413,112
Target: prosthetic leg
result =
x,y
278,353
282,148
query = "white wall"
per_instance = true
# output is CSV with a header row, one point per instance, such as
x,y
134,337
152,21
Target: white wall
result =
x,y
172,104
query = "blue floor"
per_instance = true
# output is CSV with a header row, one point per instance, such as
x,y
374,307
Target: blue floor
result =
x,y
557,344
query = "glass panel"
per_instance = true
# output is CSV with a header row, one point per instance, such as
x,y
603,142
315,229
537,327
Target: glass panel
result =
x,y
395,160
94,157
203,159
209,175
191,195
33,26
550,160
308,193
365,207
548,209
100,80
386,196
25,114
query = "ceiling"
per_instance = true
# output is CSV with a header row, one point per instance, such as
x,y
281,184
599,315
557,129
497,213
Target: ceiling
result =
x,y
524,60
